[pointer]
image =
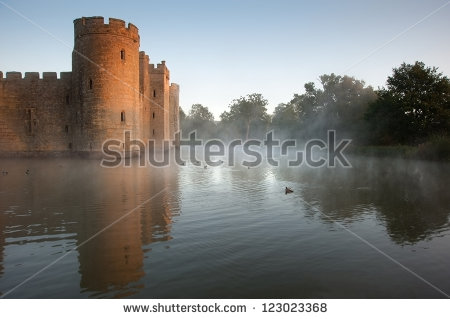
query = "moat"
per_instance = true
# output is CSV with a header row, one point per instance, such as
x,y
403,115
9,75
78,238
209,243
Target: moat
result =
x,y
224,232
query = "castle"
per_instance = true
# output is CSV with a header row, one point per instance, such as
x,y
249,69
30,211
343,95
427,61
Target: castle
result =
x,y
112,88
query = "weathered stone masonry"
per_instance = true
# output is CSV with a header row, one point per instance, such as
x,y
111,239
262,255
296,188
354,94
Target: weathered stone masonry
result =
x,y
112,88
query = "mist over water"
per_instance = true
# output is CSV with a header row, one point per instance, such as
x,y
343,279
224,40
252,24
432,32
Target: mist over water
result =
x,y
224,232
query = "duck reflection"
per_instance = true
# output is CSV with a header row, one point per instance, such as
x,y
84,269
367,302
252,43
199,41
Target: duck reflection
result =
x,y
409,197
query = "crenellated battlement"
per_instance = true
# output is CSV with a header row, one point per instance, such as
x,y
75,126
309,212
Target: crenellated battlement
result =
x,y
160,68
174,88
49,76
13,75
96,25
77,111
144,56
34,76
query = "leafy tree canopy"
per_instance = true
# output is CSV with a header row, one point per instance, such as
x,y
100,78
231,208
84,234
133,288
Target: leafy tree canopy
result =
x,y
415,104
199,112
247,112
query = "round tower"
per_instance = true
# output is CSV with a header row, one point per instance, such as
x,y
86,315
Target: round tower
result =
x,y
105,71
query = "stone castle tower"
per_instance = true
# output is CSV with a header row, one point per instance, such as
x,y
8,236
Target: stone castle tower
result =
x,y
112,88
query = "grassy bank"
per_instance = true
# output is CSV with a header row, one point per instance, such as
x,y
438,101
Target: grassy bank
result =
x,y
436,148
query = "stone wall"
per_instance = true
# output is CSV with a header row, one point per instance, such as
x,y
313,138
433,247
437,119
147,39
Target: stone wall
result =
x,y
106,60
112,88
174,109
145,96
159,90
35,112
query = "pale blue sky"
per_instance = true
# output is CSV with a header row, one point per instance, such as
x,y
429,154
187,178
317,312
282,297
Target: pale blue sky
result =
x,y
221,50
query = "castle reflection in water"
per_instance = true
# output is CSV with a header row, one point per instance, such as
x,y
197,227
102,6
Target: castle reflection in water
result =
x,y
97,213
223,232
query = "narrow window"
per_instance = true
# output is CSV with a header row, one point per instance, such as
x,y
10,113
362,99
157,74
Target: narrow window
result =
x,y
122,54
154,93
153,115
67,99
67,129
70,146
122,116
90,84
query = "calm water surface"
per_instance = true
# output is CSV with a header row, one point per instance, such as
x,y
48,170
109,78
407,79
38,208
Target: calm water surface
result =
x,y
224,232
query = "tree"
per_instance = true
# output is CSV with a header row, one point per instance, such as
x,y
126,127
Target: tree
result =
x,y
414,105
423,95
306,105
247,112
387,123
200,113
285,118
340,104
201,119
